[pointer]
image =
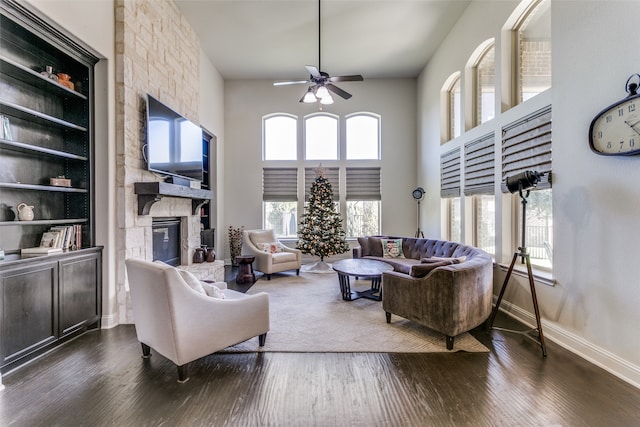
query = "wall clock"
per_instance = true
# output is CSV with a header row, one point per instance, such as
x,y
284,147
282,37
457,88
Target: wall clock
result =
x,y
615,131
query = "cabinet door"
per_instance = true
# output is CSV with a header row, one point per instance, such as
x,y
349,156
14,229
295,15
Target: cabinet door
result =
x,y
27,310
80,289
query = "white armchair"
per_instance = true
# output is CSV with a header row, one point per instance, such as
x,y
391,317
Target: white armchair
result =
x,y
278,258
183,324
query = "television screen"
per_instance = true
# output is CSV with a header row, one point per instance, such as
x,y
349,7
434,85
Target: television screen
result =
x,y
174,144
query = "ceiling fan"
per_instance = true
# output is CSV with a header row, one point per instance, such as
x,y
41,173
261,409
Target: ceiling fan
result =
x,y
322,82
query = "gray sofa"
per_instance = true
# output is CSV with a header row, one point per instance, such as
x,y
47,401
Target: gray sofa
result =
x,y
445,286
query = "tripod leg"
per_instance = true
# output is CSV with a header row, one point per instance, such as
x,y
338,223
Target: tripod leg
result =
x,y
535,306
489,323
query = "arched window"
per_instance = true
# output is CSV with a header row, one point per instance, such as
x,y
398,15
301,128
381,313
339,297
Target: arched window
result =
x,y
485,95
363,137
321,137
280,137
527,52
451,106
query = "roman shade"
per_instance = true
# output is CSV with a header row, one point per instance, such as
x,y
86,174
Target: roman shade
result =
x,y
479,166
279,184
363,183
526,145
450,174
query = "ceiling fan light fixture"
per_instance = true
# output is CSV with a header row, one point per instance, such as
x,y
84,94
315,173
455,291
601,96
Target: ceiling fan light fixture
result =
x,y
322,92
309,97
327,100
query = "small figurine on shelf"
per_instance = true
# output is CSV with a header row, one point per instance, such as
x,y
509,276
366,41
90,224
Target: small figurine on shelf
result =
x,y
48,73
65,80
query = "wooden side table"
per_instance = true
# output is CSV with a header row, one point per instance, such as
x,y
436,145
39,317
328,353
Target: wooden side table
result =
x,y
245,269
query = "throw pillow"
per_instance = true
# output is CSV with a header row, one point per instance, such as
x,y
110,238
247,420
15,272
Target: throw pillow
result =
x,y
191,280
213,291
271,247
392,248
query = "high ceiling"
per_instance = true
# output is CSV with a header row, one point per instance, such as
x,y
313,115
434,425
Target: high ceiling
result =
x,y
275,39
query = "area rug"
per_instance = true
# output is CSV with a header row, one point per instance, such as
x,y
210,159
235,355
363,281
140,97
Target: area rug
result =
x,y
307,314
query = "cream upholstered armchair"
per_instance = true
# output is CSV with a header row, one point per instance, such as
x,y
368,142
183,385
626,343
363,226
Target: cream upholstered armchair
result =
x,y
183,323
271,255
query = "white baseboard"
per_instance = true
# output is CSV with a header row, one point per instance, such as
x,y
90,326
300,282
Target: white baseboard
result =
x,y
598,356
109,321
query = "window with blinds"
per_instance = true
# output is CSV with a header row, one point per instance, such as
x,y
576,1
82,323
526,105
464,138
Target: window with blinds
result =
x,y
332,175
363,183
279,184
526,145
450,174
479,166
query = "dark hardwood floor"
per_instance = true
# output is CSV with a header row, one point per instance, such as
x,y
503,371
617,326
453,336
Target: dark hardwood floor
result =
x,y
100,379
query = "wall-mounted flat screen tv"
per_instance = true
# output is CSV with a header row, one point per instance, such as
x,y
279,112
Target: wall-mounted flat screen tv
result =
x,y
174,144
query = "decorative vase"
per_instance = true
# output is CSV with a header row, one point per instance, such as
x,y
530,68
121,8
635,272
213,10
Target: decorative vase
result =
x,y
25,212
198,256
210,254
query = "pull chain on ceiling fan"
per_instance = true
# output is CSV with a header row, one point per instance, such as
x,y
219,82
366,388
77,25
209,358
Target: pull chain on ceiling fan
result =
x,y
322,82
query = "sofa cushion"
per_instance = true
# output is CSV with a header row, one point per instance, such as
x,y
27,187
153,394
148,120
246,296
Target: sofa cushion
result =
x,y
375,246
422,269
392,248
364,246
434,259
281,257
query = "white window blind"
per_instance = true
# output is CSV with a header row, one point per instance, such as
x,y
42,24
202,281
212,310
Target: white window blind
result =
x,y
363,184
279,184
526,145
332,175
450,174
479,166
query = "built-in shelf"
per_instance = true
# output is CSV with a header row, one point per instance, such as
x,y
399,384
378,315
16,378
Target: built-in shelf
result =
x,y
36,116
45,222
152,192
29,76
36,187
22,147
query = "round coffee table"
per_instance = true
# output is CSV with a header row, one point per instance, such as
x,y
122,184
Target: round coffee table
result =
x,y
360,267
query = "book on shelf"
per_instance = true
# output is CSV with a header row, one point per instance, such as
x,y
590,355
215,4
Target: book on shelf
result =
x,y
39,250
64,237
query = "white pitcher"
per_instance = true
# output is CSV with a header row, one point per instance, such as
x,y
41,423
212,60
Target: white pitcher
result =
x,y
25,212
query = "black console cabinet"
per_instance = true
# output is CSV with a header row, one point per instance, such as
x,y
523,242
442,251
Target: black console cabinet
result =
x,y
46,300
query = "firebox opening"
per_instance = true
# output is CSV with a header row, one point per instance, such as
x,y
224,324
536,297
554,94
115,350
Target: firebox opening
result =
x,y
166,240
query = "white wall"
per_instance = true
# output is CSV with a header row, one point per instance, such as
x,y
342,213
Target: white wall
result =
x,y
246,102
593,308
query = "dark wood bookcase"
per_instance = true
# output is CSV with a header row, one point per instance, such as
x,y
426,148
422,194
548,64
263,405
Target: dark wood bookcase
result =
x,y
48,133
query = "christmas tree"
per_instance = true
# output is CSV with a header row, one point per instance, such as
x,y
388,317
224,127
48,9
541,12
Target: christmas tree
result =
x,y
321,231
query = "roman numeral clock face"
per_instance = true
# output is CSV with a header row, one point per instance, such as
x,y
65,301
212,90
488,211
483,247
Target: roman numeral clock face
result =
x,y
615,131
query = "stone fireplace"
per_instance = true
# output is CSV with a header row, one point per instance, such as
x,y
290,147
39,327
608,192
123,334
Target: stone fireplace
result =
x,y
147,62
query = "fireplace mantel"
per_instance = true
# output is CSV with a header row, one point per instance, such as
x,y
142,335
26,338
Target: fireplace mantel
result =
x,y
151,192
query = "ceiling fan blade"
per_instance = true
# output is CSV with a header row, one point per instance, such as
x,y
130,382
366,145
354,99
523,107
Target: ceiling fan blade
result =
x,y
290,83
313,71
338,91
354,78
